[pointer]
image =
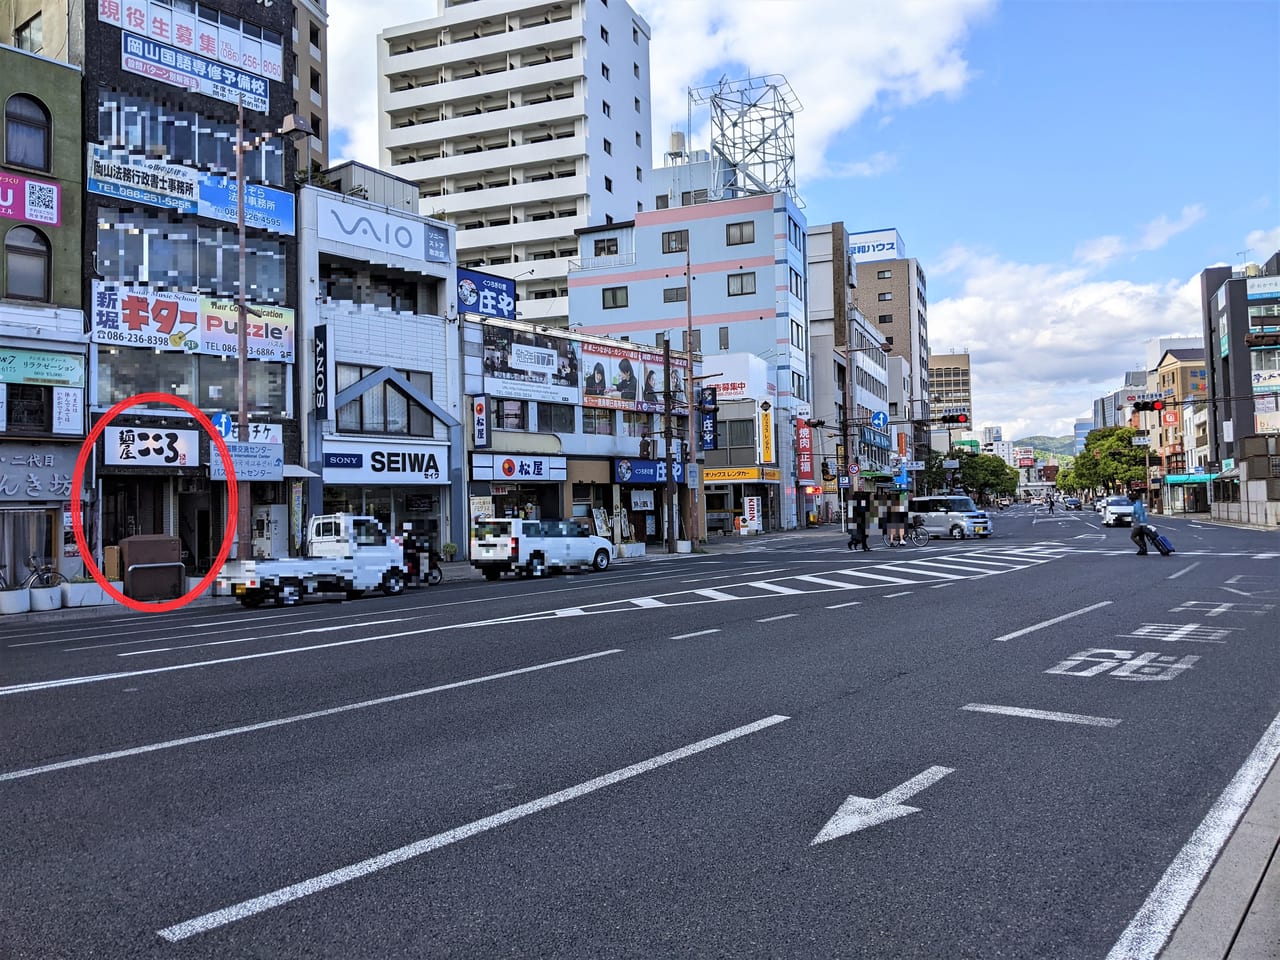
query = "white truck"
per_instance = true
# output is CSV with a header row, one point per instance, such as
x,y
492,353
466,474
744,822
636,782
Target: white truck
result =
x,y
345,553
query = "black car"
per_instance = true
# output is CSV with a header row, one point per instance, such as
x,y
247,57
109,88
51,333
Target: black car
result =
x,y
1072,503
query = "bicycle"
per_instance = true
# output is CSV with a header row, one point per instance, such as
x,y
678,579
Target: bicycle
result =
x,y
915,533
42,574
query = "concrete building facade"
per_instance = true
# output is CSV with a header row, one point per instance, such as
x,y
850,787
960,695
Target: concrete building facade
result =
x,y
521,121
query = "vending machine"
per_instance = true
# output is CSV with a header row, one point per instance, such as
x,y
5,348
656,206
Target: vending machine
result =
x,y
271,531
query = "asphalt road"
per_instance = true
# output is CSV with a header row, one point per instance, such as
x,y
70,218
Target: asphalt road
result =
x,y
997,748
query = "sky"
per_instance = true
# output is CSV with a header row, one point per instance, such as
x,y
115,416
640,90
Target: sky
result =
x,y
1062,171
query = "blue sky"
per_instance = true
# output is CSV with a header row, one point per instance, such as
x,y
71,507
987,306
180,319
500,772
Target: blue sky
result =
x,y
1062,170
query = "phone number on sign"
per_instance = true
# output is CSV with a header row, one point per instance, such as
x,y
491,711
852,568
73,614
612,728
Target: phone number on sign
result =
x,y
134,339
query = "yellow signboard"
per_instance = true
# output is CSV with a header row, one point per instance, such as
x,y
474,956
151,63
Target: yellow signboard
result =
x,y
730,474
772,476
764,434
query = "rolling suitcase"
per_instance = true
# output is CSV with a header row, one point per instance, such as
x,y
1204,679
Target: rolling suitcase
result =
x,y
1160,542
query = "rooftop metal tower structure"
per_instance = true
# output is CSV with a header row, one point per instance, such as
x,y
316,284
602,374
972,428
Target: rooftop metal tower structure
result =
x,y
753,141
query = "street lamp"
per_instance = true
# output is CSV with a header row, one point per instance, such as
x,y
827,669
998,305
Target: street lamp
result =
x,y
293,126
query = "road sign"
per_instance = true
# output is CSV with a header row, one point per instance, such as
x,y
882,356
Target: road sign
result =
x,y
1142,441
854,469
253,461
913,464
880,420
951,464
845,483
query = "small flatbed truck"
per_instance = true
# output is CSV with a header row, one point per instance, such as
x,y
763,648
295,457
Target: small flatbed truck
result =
x,y
346,554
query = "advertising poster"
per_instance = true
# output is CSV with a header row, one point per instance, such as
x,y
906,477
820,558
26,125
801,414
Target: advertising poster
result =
x,y
30,201
486,294
187,322
526,366
619,377
187,71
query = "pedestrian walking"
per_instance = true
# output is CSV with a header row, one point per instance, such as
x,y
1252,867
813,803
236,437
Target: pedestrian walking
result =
x,y
859,506
1139,532
1051,506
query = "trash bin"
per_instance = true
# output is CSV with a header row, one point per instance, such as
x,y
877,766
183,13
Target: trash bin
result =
x,y
153,568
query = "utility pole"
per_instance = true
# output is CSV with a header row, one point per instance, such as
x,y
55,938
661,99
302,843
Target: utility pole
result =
x,y
690,488
669,508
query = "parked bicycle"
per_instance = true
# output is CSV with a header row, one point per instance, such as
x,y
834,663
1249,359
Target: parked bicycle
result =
x,y
915,533
41,575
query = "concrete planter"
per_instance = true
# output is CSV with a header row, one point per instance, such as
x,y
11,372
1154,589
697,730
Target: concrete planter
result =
x,y
15,601
86,594
626,550
45,598
684,546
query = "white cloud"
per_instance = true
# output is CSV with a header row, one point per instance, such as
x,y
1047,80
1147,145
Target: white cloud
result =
x,y
1151,236
873,56
1046,341
1262,244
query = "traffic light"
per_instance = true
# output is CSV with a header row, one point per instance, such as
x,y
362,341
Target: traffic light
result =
x,y
957,418
1151,405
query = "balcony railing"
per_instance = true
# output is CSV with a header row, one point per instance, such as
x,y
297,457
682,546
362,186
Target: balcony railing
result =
x,y
603,263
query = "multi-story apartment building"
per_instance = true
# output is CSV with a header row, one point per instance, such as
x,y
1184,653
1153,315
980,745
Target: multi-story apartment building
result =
x,y
43,361
1112,410
1241,317
1180,380
311,83
521,121
892,292
950,394
747,291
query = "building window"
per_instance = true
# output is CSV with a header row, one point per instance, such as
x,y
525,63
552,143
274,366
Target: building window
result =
x,y
608,146
884,296
675,241
884,274
637,104
639,141
608,184
604,70
635,69
742,284
511,415
885,318
30,36
384,408
613,297
674,295
26,265
556,418
605,108
597,421
607,247
797,335
636,424
739,233
724,338
29,409
635,34
797,285
639,174
661,202
26,132
604,34
315,80
888,341
314,31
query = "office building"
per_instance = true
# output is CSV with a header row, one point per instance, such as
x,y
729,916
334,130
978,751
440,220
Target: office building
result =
x,y
521,123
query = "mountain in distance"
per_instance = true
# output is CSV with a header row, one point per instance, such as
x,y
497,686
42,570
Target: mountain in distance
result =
x,y
1060,446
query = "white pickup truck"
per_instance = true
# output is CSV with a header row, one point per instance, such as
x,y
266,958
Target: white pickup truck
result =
x,y
346,554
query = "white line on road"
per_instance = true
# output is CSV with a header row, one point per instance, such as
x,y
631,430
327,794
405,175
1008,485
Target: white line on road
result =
x,y
851,603
785,616
900,593
297,718
296,891
1175,576
699,633
1042,714
1050,623
219,643
1151,926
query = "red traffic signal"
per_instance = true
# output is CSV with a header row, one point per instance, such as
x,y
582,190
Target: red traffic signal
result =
x,y
1145,405
958,418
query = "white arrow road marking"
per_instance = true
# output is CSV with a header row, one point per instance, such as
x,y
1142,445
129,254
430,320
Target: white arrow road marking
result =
x,y
296,891
858,813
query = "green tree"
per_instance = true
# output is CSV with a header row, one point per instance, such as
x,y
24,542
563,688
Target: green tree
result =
x,y
1110,461
985,475
934,476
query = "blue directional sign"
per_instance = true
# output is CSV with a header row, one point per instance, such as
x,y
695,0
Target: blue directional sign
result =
x,y
225,424
879,420
253,461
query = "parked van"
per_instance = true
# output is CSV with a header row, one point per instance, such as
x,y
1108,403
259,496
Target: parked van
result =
x,y
533,547
950,516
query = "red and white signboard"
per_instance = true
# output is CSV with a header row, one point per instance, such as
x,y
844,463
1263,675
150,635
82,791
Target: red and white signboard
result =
x,y
804,452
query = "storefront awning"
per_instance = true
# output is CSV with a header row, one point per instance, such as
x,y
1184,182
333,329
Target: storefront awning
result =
x,y
1232,474
1176,478
293,470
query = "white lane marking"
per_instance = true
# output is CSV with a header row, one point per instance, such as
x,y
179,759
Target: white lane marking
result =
x,y
716,594
1050,623
699,633
297,718
249,908
900,593
873,576
1175,576
785,616
925,572
775,588
647,602
851,603
952,564
1042,714
219,643
824,582
1155,920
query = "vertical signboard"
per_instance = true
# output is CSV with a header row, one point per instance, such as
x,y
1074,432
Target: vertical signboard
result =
x,y
804,452
764,432
320,378
480,421
707,412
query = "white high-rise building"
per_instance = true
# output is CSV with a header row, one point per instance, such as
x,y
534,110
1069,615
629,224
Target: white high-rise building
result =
x,y
521,121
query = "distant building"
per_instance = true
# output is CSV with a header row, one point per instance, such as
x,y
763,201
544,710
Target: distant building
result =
x,y
1081,431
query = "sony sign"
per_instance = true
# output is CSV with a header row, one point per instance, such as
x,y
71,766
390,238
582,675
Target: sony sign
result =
x,y
320,380
385,463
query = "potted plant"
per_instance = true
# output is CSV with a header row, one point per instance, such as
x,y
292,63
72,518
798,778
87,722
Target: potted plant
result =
x,y
450,550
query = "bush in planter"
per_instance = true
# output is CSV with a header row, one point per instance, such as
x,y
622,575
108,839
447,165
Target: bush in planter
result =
x,y
450,550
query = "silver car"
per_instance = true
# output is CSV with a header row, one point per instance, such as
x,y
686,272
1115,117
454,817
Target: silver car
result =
x,y
1117,511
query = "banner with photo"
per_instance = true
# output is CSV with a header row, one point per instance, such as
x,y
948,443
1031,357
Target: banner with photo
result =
x,y
621,377
187,322
520,365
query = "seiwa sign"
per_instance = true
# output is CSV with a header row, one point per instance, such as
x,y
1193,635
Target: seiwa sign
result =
x,y
349,461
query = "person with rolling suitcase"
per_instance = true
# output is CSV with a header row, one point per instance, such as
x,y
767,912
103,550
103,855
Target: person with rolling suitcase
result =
x,y
1158,540
1139,532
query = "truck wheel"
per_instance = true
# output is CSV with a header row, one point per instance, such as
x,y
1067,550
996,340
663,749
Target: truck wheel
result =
x,y
957,532
252,599
490,573
601,560
393,583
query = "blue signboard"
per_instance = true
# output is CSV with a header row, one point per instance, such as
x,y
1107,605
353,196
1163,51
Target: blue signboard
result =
x,y
880,420
631,471
437,244
264,207
874,438
486,295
